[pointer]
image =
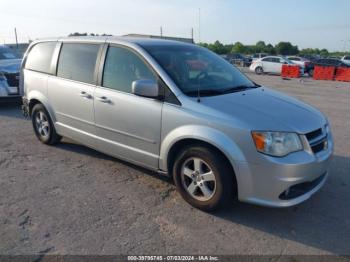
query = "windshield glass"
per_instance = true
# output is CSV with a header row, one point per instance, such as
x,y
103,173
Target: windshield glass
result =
x,y
7,53
196,69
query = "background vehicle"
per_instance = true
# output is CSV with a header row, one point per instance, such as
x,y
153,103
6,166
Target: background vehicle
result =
x,y
239,60
271,65
258,56
180,109
10,63
303,62
346,59
327,62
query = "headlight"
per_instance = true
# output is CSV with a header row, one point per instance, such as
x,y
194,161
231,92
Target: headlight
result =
x,y
277,143
327,128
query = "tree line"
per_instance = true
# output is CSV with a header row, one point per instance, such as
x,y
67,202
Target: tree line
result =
x,y
282,48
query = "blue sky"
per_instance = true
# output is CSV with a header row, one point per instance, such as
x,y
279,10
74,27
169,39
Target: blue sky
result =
x,y
306,23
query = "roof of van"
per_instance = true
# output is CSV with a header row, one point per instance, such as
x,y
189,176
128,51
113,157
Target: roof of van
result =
x,y
110,39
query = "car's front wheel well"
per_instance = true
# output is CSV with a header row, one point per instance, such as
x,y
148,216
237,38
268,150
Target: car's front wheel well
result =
x,y
31,105
180,145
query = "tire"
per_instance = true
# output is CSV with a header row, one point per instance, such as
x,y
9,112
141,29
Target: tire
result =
x,y
43,126
215,190
259,70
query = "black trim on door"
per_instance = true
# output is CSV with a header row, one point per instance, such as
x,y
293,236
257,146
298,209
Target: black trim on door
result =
x,y
98,58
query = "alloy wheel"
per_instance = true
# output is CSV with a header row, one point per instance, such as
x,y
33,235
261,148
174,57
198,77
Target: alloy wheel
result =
x,y
42,124
198,179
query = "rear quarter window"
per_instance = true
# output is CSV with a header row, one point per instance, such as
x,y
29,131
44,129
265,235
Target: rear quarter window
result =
x,y
40,57
78,61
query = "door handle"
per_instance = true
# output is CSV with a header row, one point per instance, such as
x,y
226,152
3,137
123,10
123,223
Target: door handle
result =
x,y
104,99
86,95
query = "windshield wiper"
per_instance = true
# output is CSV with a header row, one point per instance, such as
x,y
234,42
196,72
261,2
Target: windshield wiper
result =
x,y
238,89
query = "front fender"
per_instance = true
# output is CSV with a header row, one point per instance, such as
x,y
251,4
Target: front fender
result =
x,y
36,95
202,133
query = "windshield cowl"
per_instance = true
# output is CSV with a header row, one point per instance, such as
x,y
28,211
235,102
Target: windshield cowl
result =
x,y
215,92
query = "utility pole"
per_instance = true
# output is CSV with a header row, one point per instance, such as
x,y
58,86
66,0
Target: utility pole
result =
x,y
192,34
16,38
199,25
161,32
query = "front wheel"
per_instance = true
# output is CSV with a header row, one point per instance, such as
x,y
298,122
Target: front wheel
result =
x,y
43,126
204,178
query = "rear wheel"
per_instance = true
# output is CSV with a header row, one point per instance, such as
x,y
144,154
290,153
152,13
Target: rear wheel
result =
x,y
43,126
259,70
204,178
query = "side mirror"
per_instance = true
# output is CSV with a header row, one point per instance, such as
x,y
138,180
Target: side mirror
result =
x,y
146,88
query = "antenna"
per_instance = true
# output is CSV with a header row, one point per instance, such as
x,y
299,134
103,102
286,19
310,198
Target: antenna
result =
x,y
161,32
16,38
198,95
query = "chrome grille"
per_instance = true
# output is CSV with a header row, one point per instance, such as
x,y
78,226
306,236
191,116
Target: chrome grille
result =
x,y
318,140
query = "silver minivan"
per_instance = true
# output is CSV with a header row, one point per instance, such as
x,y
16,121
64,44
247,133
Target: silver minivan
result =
x,y
181,110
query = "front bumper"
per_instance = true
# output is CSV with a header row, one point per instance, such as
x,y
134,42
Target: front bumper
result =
x,y
283,182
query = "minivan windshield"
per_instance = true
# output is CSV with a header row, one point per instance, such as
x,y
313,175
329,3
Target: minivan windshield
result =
x,y
196,70
7,53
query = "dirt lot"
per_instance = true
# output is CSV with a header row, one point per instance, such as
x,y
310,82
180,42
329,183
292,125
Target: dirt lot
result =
x,y
69,199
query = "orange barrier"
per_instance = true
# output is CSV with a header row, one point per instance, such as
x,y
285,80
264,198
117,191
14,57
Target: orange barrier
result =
x,y
342,74
324,72
290,71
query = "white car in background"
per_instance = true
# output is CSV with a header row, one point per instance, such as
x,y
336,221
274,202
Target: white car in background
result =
x,y
258,56
271,65
10,63
299,60
346,59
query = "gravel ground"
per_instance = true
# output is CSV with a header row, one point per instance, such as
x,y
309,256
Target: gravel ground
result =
x,y
69,199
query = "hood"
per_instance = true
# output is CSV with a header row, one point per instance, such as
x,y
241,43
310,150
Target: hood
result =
x,y
10,65
265,109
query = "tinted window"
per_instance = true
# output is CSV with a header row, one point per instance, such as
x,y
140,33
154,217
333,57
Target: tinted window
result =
x,y
78,61
347,58
122,67
40,56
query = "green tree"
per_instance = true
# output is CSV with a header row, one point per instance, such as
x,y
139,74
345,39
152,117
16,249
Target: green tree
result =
x,y
238,47
260,47
286,48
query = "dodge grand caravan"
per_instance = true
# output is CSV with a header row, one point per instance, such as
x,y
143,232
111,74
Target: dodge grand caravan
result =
x,y
178,109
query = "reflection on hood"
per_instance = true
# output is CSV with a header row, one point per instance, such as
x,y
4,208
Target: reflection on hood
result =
x,y
10,65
